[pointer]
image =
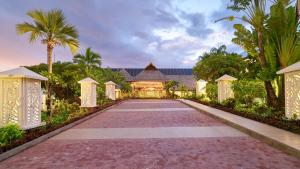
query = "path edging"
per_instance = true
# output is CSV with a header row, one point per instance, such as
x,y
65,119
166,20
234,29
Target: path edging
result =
x,y
42,138
273,142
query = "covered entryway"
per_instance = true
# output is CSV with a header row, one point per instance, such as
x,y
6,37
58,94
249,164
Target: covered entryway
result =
x,y
147,89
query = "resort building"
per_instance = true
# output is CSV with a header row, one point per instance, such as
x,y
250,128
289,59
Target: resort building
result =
x,y
149,82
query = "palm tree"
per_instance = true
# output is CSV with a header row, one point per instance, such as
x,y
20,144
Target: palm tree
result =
x,y
255,16
89,61
51,28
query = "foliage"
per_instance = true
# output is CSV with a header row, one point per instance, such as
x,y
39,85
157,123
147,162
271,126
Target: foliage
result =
x,y
212,91
229,102
63,111
282,27
88,62
171,85
51,27
64,80
65,77
218,62
238,5
245,91
184,90
10,133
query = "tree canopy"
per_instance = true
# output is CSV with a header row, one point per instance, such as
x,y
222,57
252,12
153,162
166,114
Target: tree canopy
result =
x,y
218,62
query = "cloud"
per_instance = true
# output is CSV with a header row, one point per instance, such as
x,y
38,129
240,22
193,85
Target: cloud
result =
x,y
198,26
125,33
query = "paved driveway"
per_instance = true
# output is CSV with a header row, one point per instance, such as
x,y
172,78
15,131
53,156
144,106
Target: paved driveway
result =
x,y
152,134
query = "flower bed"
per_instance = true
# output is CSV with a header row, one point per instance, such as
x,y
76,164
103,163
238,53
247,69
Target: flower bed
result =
x,y
277,119
34,133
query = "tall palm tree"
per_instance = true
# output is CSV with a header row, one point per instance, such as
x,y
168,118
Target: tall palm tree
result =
x,y
255,15
51,28
89,61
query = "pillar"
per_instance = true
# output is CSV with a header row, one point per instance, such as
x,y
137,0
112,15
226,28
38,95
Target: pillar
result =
x,y
224,87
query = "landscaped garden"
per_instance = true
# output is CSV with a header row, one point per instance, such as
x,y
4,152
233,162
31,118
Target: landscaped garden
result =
x,y
270,38
62,87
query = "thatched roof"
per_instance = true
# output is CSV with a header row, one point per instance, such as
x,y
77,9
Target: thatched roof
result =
x,y
150,73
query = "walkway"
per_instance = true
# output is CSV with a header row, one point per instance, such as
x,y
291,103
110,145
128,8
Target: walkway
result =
x,y
152,134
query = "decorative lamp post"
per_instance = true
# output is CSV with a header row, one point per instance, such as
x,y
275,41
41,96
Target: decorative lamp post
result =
x,y
88,92
110,90
224,87
292,90
201,87
21,97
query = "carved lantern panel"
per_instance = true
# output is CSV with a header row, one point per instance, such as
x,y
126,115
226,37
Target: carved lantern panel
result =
x,y
20,98
88,92
110,90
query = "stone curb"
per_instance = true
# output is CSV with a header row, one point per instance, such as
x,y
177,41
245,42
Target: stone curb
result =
x,y
271,141
40,139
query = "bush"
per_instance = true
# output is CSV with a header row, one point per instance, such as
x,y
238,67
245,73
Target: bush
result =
x,y
245,91
10,133
229,103
63,110
212,91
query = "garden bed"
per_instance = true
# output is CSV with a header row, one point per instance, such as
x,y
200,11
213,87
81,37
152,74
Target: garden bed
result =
x,y
277,121
34,133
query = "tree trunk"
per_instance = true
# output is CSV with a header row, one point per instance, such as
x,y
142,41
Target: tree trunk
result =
x,y
49,62
298,10
271,95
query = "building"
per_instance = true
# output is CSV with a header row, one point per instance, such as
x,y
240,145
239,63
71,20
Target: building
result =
x,y
149,82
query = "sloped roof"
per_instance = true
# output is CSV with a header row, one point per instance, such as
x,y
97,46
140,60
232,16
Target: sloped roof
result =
x,y
127,76
165,71
22,72
149,75
110,83
88,80
187,80
291,68
226,77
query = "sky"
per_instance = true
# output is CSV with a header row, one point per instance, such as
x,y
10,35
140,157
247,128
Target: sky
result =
x,y
126,33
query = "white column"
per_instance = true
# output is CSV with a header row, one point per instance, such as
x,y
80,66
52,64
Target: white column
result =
x,y
292,90
110,90
224,87
20,98
201,87
88,92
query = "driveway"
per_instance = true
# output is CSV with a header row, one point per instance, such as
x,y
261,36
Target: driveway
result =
x,y
152,134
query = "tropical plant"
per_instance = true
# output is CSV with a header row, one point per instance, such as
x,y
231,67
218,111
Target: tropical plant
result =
x,y
89,61
171,85
255,15
212,91
52,29
245,91
218,62
10,133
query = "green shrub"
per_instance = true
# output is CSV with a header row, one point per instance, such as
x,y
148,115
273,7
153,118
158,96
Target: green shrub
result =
x,y
229,103
245,91
212,91
62,110
10,133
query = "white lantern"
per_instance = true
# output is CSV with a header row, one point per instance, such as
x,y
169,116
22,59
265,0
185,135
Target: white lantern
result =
x,y
20,97
224,87
201,87
88,92
292,90
110,90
